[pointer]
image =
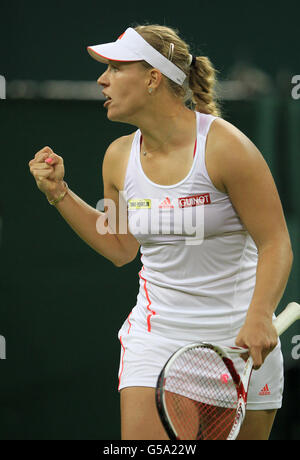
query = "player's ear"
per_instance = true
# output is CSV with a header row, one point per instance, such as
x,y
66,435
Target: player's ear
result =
x,y
155,78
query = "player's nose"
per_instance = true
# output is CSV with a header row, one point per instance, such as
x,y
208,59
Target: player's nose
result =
x,y
103,79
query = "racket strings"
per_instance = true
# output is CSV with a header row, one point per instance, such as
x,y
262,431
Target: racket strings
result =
x,y
201,396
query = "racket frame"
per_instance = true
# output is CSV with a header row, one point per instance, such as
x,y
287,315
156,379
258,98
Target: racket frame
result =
x,y
241,384
284,320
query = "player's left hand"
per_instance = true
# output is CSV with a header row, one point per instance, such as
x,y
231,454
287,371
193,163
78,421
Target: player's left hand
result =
x,y
259,336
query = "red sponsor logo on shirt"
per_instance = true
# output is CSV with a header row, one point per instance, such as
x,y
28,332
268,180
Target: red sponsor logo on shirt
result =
x,y
195,200
166,204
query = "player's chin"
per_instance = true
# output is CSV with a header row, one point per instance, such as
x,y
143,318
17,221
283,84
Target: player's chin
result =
x,y
110,114
113,114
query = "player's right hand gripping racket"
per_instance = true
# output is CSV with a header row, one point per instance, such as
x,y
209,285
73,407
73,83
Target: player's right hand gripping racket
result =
x,y
201,396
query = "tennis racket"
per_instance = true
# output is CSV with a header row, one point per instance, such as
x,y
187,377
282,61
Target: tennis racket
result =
x,y
199,393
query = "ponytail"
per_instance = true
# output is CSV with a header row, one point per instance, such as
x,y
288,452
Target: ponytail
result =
x,y
202,81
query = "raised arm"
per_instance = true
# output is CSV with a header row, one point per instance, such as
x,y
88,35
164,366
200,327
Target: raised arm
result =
x,y
83,218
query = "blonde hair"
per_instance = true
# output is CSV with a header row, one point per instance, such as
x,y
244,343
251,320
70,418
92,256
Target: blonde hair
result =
x,y
199,88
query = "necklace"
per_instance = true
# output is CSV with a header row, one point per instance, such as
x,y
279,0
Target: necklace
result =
x,y
150,151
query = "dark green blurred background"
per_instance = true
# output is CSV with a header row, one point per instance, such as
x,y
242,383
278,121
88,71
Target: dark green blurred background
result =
x,y
61,304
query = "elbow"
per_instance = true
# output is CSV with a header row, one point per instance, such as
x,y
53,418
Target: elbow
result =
x,y
125,257
291,255
290,260
282,247
118,263
287,253
122,261
289,250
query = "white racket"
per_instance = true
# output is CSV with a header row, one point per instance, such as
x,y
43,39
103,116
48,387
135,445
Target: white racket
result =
x,y
199,393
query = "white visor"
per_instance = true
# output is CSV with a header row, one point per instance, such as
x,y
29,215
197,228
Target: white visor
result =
x,y
131,46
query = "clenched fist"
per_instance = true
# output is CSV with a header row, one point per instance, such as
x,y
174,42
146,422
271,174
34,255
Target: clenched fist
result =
x,y
48,170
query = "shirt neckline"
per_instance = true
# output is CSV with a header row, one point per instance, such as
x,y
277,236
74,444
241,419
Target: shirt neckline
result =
x,y
155,184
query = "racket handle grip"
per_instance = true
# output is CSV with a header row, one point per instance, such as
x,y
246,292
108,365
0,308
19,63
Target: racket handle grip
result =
x,y
287,317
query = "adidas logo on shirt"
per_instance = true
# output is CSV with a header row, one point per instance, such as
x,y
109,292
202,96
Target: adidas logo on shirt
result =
x,y
166,204
264,391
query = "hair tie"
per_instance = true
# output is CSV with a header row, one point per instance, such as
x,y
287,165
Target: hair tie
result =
x,y
192,60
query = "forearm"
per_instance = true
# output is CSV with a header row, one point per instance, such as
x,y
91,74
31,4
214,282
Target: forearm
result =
x,y
273,269
82,218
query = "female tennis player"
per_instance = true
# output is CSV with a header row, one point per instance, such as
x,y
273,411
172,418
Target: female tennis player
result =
x,y
221,283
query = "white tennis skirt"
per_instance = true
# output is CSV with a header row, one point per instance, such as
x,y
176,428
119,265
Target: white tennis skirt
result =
x,y
143,355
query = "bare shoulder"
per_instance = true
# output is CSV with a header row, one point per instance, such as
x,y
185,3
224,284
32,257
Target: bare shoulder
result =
x,y
237,167
116,159
228,152
224,133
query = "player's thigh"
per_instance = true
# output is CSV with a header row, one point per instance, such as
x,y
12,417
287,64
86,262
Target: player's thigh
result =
x,y
139,416
257,425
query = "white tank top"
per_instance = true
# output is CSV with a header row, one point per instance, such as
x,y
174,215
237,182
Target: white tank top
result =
x,y
199,262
